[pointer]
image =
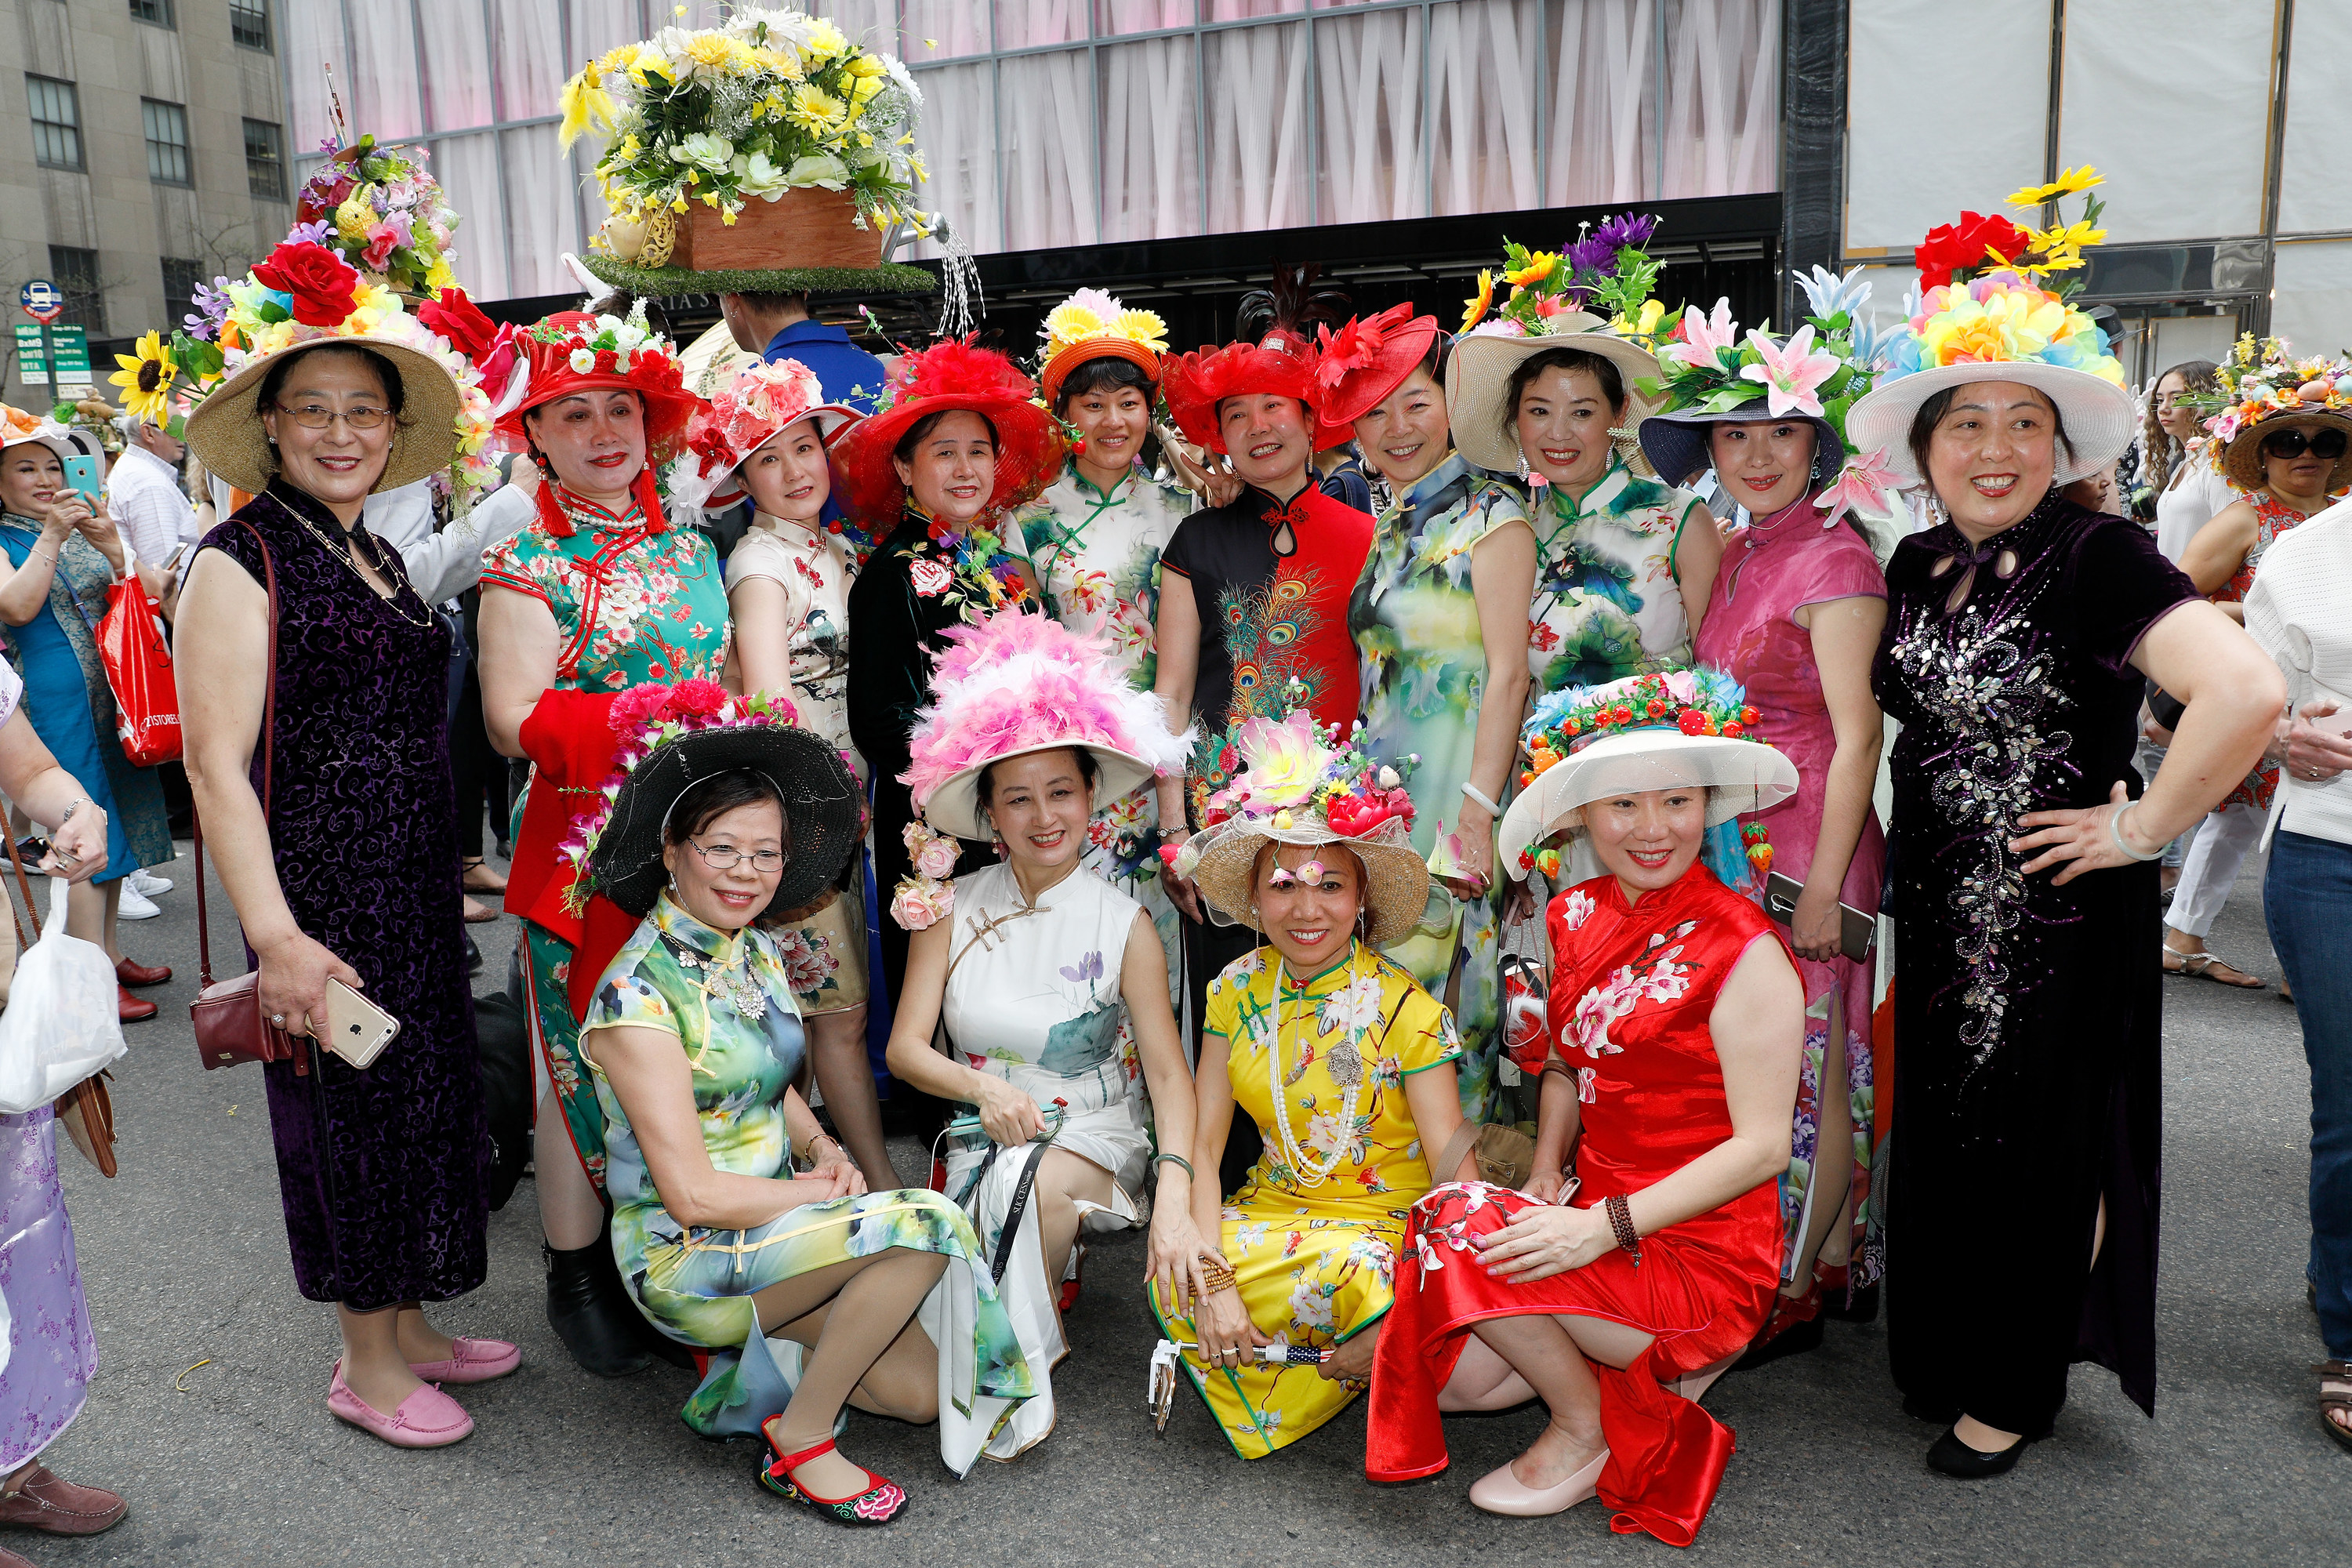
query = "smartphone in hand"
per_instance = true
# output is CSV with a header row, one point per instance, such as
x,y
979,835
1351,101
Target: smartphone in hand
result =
x,y
81,474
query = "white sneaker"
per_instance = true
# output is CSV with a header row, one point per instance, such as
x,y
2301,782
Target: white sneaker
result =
x,y
135,906
148,885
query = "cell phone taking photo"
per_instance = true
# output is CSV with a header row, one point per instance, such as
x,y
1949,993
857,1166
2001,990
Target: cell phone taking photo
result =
x,y
81,474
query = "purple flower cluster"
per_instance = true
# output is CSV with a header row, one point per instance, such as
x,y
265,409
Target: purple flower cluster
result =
x,y
211,302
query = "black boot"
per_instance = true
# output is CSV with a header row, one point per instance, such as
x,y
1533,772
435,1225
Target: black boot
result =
x,y
592,1314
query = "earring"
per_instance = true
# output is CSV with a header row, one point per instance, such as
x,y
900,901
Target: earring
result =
x,y
1523,467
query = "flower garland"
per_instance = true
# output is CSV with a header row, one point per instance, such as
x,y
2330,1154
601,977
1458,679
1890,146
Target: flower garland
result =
x,y
1999,316
1281,769
2262,381
617,345
1697,702
770,101
646,717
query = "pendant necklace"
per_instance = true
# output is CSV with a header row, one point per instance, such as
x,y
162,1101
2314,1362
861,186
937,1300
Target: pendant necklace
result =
x,y
348,552
729,983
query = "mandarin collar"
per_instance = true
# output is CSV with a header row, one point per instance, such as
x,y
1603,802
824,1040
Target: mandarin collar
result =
x,y
671,919
597,516
1602,498
1612,892
1451,468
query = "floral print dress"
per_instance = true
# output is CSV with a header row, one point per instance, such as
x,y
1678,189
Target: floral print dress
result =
x,y
631,605
1415,620
727,999
1097,555
1315,1257
1607,605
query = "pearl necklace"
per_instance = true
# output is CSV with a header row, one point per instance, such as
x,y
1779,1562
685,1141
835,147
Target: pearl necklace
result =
x,y
1345,1064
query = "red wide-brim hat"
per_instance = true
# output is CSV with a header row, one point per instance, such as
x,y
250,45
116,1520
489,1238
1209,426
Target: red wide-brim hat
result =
x,y
1358,367
1282,366
652,372
951,375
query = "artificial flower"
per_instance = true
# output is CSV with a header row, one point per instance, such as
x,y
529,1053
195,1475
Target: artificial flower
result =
x,y
1862,486
705,151
320,284
821,169
145,379
2068,236
457,319
1538,268
1791,372
2065,184
1830,294
757,176
1283,759
1144,327
582,361
1967,246
1474,308
1643,326
1702,339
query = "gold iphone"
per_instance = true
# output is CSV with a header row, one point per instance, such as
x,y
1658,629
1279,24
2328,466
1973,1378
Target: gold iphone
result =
x,y
357,1029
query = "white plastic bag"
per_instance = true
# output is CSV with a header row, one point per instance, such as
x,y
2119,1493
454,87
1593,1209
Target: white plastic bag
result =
x,y
63,1022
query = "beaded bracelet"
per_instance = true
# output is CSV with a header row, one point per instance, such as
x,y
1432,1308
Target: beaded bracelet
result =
x,y
1621,1222
1215,1276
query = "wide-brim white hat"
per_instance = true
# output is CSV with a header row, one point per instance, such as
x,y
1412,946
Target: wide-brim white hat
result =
x,y
49,434
1478,386
2099,416
1740,776
954,807
724,487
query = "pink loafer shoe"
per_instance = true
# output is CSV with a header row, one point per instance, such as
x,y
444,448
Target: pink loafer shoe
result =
x,y
428,1418
470,1361
1500,1492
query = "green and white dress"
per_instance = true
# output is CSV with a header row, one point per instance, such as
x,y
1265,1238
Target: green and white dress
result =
x,y
727,999
1415,621
1097,554
1607,605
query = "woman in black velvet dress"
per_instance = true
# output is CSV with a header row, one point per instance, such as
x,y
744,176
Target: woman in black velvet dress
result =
x,y
349,872
2023,1199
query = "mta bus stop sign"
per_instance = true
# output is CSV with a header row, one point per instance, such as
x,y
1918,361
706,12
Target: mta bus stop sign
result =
x,y
42,301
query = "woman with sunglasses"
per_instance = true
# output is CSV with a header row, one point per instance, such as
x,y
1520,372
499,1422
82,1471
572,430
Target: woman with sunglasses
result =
x,y
2286,464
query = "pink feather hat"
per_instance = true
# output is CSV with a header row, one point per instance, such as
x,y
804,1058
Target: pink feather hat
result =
x,y
1016,683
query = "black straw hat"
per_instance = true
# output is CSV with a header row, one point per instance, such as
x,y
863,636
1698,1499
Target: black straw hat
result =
x,y
820,797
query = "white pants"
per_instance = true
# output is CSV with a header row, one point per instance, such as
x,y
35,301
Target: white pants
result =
x,y
2210,869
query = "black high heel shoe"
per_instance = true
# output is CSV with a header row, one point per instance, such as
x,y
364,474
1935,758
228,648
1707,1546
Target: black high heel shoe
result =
x,y
1950,1456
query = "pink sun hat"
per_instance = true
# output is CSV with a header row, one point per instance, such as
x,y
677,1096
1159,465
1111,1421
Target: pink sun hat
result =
x,y
762,401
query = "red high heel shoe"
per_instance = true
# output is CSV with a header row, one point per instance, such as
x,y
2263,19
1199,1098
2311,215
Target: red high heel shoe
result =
x,y
882,1501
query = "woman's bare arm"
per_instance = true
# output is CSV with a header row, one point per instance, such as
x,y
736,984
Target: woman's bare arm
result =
x,y
1844,634
520,645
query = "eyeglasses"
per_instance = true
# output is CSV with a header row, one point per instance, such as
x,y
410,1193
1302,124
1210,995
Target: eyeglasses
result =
x,y
726,857
317,416
2292,444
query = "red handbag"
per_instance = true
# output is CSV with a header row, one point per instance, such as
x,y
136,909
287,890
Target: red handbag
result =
x,y
139,669
230,1027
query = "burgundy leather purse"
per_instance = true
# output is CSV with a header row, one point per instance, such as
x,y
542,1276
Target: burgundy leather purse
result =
x,y
230,1027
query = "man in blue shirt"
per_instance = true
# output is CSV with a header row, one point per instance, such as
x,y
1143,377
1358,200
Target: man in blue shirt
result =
x,y
779,326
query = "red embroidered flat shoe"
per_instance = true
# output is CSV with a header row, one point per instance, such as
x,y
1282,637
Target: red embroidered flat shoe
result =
x,y
881,1502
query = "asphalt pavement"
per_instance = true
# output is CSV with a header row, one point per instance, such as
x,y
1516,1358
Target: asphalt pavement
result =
x,y
208,1413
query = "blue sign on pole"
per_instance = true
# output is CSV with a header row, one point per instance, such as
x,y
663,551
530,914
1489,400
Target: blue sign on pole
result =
x,y
42,301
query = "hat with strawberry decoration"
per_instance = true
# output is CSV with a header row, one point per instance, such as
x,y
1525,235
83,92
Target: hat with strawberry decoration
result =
x,y
762,401
1689,729
1295,782
954,374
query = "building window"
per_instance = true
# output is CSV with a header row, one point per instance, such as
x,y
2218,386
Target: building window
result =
x,y
156,13
167,142
75,272
248,24
264,160
180,281
56,122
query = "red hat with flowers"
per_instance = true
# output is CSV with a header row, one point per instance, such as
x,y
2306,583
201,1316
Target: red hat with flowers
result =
x,y
948,376
1358,366
1280,363
573,352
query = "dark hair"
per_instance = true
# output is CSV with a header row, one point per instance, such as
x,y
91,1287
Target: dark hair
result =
x,y
767,302
273,380
619,302
1440,354
916,433
1612,384
708,799
2162,452
1087,772
1106,374
1931,414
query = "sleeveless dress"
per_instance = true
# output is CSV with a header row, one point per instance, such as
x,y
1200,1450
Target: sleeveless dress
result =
x,y
1414,613
1750,632
826,953
1098,559
1033,998
1314,1258
634,600
2272,518
696,1283
383,1171
1632,992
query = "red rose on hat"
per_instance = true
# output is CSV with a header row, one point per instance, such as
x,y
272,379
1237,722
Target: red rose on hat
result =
x,y
323,284
1963,246
454,316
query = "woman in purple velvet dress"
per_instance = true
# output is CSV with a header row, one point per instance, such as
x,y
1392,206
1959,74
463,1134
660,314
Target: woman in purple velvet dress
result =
x,y
350,871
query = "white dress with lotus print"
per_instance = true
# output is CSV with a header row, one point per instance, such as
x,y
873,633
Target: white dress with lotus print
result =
x,y
1033,998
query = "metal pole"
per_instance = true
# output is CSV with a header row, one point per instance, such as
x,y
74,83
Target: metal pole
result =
x,y
49,360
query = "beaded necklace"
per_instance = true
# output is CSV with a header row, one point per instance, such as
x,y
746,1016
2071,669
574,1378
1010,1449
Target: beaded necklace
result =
x,y
1344,1062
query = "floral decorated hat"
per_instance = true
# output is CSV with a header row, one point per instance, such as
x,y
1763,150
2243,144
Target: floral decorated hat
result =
x,y
1015,683
1296,783
381,210
1989,314
306,296
954,374
1684,728
1091,325
670,737
1712,377
19,427
1357,367
762,400
2262,388
1550,307
573,352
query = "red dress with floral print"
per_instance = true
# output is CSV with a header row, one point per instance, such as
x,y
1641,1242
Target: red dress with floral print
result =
x,y
1631,1001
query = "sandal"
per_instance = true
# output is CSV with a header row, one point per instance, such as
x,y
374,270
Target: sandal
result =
x,y
881,1502
2339,1372
2175,961
2200,966
480,875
